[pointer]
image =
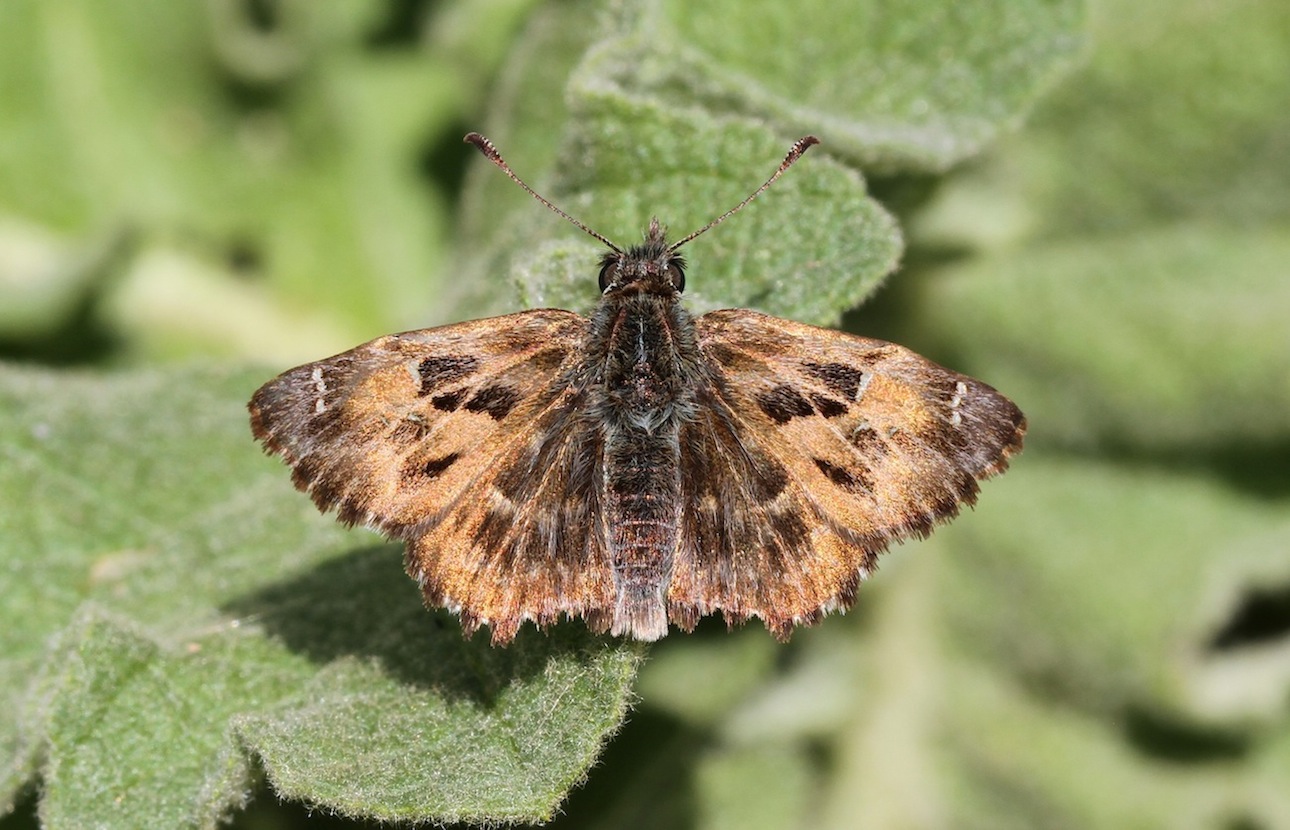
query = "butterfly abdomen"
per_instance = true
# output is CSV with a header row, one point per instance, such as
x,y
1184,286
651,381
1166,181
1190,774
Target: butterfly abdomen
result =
x,y
643,484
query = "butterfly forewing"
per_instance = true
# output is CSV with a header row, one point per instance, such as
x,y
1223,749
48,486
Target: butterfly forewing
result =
x,y
393,432
471,443
817,449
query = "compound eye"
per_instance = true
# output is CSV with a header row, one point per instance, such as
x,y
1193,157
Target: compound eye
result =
x,y
676,275
607,273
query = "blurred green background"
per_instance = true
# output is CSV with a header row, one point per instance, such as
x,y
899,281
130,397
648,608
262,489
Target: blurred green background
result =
x,y
1090,205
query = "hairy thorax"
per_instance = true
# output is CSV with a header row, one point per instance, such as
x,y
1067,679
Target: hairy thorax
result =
x,y
650,354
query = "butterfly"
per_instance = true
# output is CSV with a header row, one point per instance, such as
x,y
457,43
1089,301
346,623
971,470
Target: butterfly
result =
x,y
639,468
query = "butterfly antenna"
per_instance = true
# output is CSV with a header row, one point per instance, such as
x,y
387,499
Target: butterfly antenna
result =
x,y
794,153
490,152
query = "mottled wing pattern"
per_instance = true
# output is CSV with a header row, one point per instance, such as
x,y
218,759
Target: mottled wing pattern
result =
x,y
467,442
813,450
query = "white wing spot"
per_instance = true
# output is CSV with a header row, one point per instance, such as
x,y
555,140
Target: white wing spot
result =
x,y
320,386
865,378
960,391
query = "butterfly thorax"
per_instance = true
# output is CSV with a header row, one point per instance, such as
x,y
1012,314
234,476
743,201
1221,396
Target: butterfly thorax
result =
x,y
646,349
642,337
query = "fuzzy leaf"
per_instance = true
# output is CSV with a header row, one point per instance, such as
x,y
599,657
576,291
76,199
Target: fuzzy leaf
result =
x,y
1181,119
1101,643
113,131
894,86
1150,341
1137,599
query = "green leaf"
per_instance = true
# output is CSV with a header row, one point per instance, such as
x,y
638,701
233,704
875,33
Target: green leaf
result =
x,y
734,663
1101,643
1178,120
811,246
176,614
814,244
1024,763
748,788
1181,119
1148,340
279,149
1117,589
894,86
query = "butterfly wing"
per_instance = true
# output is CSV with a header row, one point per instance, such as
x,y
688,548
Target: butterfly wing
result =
x,y
467,442
812,450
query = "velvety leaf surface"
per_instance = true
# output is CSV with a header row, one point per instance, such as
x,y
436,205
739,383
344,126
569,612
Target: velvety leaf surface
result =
x,y
193,131
1168,338
896,86
1135,603
1180,118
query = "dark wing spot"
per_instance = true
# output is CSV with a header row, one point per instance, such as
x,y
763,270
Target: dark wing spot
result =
x,y
547,360
449,401
767,477
828,407
495,401
417,469
850,481
408,431
784,403
732,359
436,371
435,466
839,377
867,441
498,521
791,529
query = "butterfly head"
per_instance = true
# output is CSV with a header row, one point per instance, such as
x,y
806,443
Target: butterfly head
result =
x,y
652,267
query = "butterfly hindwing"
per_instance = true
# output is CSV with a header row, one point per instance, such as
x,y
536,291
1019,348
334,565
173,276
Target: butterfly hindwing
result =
x,y
531,546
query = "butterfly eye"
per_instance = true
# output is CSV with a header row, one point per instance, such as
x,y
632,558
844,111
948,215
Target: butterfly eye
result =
x,y
607,273
676,274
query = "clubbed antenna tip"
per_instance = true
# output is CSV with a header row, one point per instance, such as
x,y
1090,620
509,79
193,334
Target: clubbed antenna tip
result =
x,y
794,153
490,152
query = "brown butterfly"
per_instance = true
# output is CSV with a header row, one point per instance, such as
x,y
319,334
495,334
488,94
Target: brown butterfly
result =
x,y
641,467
